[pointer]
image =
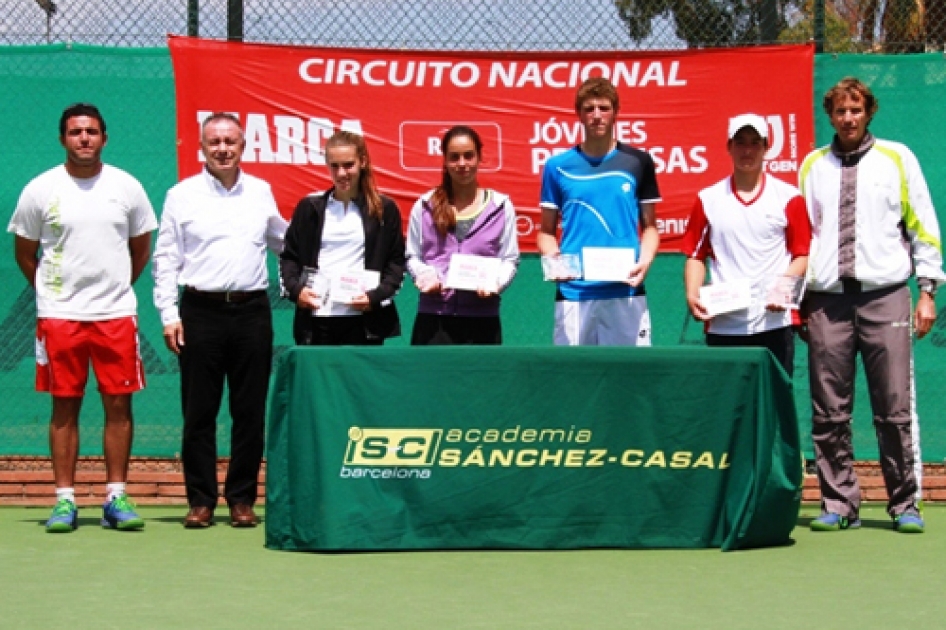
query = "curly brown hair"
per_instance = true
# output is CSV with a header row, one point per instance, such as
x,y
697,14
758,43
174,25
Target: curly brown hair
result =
x,y
850,86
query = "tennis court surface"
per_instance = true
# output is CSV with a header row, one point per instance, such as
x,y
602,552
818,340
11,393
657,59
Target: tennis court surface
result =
x,y
168,577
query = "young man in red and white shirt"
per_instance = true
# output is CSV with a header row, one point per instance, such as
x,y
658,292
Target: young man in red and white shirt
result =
x,y
751,227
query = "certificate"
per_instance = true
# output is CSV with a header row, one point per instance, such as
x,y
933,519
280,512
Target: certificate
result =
x,y
726,297
561,267
471,272
348,285
607,264
318,283
785,291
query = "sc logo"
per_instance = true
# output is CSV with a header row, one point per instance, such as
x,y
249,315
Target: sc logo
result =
x,y
392,447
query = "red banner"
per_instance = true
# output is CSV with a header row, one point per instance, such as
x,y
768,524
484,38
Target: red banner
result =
x,y
674,104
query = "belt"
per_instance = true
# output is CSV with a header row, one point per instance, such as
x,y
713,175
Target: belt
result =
x,y
232,297
851,286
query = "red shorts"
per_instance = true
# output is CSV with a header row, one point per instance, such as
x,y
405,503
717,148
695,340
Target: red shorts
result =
x,y
65,347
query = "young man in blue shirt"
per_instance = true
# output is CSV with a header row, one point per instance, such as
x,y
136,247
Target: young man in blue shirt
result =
x,y
605,193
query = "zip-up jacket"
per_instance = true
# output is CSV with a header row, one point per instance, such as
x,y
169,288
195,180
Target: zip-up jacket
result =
x,y
492,234
894,231
384,252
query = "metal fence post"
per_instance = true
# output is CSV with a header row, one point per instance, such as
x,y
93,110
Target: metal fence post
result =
x,y
193,18
819,25
768,22
235,20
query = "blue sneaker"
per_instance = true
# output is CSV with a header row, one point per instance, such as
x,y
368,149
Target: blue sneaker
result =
x,y
64,519
830,522
909,523
119,513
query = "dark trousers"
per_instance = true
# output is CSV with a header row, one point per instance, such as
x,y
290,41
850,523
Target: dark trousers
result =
x,y
452,330
780,342
340,330
233,343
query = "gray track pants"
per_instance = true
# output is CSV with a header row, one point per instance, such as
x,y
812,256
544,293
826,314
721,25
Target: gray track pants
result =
x,y
878,325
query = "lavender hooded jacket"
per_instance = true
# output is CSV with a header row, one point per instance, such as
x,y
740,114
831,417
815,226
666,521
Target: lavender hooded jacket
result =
x,y
493,234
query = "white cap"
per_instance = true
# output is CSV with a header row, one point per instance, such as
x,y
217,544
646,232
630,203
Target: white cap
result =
x,y
748,120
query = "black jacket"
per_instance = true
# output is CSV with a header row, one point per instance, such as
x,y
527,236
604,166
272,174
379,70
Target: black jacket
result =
x,y
384,253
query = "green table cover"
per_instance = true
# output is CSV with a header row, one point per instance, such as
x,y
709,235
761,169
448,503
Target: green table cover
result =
x,y
530,448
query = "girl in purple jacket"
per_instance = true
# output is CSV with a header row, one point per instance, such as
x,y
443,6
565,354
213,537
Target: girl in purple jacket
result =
x,y
460,217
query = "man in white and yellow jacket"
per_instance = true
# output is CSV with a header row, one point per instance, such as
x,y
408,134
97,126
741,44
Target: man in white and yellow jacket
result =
x,y
873,225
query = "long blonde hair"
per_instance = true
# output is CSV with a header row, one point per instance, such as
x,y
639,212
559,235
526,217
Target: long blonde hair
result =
x,y
367,189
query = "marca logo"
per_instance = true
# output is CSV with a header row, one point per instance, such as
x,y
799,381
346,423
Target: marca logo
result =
x,y
392,447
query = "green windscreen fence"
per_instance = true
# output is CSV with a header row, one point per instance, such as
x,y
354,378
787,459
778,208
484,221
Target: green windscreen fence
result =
x,y
134,88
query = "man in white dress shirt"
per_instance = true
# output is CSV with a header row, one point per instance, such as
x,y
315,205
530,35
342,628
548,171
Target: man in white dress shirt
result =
x,y
214,233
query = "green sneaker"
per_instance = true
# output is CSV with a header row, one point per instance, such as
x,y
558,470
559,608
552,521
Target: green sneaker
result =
x,y
829,522
909,523
119,513
64,519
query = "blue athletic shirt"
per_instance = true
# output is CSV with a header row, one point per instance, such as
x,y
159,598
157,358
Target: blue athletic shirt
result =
x,y
599,202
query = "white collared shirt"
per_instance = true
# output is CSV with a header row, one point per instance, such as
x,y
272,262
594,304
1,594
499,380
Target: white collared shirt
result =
x,y
214,239
343,248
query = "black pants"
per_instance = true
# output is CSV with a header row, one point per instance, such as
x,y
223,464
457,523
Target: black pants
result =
x,y
233,343
342,330
449,330
780,342
338,330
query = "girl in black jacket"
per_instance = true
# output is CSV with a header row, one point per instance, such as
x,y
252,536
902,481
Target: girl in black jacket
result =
x,y
340,233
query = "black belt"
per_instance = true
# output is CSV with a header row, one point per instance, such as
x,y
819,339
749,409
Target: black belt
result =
x,y
232,297
851,286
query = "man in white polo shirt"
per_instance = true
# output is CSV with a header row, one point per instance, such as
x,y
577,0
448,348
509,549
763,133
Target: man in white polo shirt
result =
x,y
751,227
83,236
